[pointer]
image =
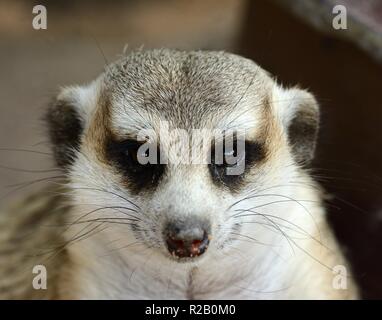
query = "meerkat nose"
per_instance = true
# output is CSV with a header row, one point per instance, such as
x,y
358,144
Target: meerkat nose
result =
x,y
187,239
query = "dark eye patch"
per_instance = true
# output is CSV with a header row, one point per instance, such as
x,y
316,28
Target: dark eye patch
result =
x,y
127,157
252,153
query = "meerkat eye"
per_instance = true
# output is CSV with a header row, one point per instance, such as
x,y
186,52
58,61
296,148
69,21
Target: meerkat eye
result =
x,y
239,154
137,161
228,154
136,154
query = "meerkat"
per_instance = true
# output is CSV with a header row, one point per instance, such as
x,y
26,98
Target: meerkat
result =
x,y
114,227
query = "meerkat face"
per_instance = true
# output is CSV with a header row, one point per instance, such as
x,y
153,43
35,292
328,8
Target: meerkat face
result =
x,y
172,150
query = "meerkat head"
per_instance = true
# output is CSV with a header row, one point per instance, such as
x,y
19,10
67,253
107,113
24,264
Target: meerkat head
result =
x,y
171,149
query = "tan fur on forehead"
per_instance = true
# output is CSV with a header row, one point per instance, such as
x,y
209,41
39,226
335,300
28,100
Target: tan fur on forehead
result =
x,y
99,128
188,89
271,132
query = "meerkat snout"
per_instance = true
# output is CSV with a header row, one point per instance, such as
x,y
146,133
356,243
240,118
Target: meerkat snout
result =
x,y
187,239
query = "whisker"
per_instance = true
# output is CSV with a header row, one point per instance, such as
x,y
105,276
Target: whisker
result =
x,y
28,184
28,170
252,239
26,150
254,213
107,191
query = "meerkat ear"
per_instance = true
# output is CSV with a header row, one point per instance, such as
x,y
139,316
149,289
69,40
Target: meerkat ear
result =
x,y
299,113
65,126
66,118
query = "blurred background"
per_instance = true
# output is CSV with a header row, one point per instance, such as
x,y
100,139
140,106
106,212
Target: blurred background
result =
x,y
294,40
